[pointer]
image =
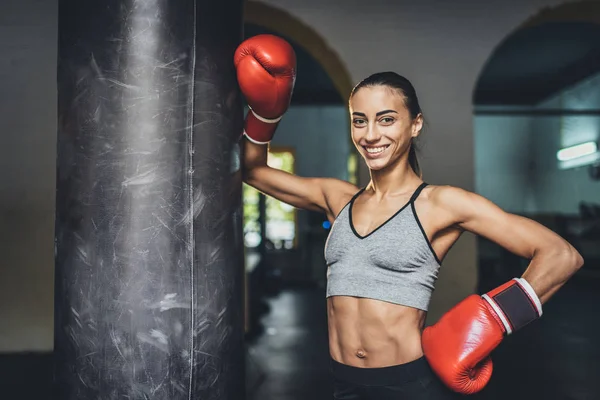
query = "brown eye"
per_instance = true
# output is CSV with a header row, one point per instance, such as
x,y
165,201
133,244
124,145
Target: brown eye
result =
x,y
387,120
358,121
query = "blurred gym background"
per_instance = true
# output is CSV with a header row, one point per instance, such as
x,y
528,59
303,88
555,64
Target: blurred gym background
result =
x,y
511,95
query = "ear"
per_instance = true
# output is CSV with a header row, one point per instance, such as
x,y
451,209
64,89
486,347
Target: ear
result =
x,y
417,126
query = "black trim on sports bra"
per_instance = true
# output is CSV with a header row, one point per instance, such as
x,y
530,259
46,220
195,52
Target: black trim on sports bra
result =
x,y
425,234
349,201
350,219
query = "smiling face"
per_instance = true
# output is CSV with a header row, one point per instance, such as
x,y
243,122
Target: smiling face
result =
x,y
382,127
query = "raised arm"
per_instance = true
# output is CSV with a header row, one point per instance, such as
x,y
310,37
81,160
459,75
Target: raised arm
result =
x,y
326,195
266,71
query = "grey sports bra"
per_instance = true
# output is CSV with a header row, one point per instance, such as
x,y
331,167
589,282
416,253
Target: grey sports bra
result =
x,y
394,263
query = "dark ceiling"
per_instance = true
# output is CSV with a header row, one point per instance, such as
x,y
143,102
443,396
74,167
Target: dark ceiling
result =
x,y
313,85
537,62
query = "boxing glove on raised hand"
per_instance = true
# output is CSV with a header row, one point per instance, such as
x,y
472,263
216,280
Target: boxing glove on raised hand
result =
x,y
266,73
458,346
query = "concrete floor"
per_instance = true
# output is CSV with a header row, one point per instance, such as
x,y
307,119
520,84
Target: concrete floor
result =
x,y
290,359
557,357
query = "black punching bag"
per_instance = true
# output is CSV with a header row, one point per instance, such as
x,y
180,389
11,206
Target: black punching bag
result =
x,y
149,268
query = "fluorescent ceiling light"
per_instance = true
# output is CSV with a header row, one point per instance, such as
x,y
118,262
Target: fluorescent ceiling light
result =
x,y
580,150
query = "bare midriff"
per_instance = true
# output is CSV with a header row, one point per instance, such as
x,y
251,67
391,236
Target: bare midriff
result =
x,y
371,333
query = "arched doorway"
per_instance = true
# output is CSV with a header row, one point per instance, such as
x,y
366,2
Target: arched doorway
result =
x,y
312,139
285,24
284,246
537,128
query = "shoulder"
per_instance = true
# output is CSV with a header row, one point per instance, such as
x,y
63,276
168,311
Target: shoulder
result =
x,y
449,196
337,194
457,204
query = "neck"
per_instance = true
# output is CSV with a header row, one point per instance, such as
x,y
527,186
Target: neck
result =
x,y
394,178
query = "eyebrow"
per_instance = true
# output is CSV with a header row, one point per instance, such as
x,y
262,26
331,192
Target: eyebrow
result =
x,y
359,114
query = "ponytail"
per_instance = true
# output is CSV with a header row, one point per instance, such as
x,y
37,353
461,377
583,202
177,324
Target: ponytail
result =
x,y
413,161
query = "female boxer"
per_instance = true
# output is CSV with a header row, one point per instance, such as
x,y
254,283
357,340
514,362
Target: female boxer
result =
x,y
388,239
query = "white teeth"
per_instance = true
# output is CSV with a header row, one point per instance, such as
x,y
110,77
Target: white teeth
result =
x,y
375,150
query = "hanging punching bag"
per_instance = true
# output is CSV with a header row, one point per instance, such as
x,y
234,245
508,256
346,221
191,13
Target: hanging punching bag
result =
x,y
149,269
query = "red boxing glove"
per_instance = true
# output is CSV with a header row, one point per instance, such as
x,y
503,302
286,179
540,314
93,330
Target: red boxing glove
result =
x,y
266,73
458,346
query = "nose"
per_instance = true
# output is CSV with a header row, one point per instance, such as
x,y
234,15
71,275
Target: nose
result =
x,y
373,134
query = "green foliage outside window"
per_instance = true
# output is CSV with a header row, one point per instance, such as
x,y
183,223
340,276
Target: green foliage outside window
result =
x,y
280,217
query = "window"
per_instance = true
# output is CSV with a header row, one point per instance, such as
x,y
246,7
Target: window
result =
x,y
281,224
353,167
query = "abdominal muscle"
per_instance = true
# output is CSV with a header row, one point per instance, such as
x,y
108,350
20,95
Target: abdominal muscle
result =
x,y
371,333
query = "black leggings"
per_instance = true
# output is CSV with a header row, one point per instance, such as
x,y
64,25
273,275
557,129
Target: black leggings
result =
x,y
414,380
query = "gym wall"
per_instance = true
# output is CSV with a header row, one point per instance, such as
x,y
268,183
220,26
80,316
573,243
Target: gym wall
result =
x,y
440,46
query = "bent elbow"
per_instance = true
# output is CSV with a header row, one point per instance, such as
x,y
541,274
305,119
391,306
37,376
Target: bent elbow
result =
x,y
252,176
249,180
572,259
248,172
578,260
246,176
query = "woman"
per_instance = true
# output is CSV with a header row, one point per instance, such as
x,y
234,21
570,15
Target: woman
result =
x,y
388,239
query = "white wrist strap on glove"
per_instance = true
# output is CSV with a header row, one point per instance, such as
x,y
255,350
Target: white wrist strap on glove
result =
x,y
261,119
265,120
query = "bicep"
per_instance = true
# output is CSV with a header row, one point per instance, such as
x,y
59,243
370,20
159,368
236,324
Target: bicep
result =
x,y
519,235
312,194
